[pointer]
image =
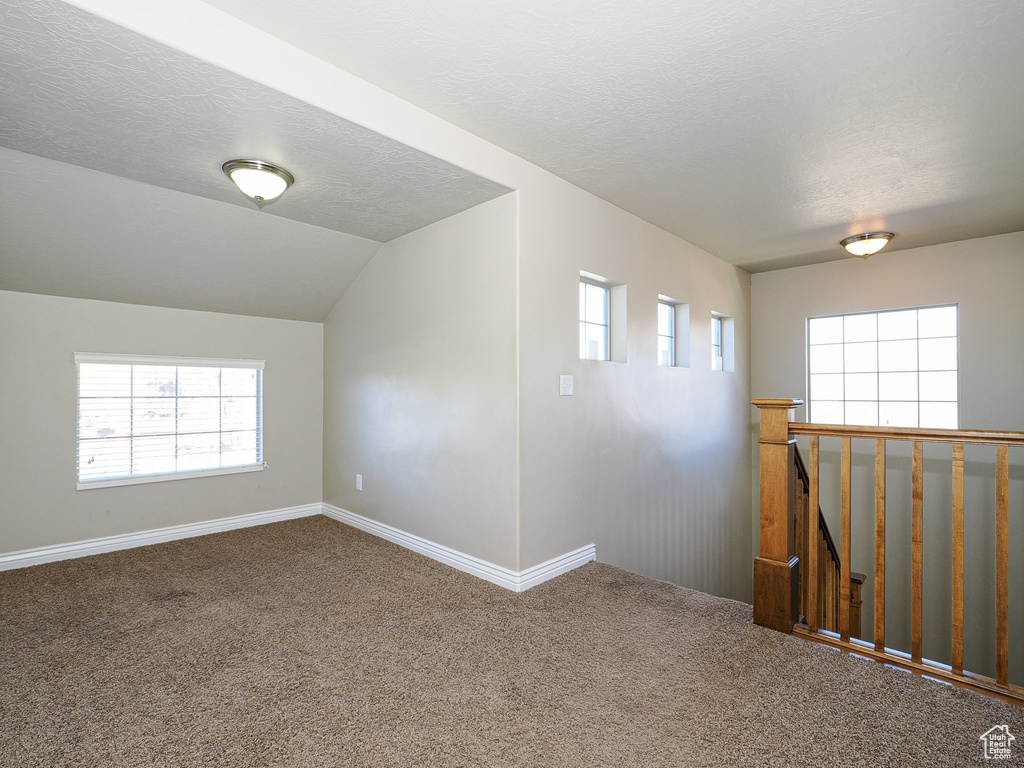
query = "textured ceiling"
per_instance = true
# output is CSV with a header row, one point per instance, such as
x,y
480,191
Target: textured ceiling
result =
x,y
71,231
763,132
78,89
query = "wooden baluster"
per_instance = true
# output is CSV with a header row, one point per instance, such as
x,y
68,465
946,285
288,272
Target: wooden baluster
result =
x,y
880,545
856,581
801,532
844,562
830,604
822,566
831,596
836,593
1002,565
813,538
826,603
958,560
827,607
792,539
833,620
918,551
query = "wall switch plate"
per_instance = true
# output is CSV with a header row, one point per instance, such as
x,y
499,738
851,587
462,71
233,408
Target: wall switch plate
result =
x,y
565,385
359,482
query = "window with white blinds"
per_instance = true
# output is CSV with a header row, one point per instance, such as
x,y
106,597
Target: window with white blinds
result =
x,y
896,368
146,418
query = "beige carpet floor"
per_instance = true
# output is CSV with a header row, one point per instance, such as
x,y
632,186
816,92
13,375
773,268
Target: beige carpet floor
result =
x,y
308,643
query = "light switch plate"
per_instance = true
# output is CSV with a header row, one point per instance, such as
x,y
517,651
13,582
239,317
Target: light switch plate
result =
x,y
565,385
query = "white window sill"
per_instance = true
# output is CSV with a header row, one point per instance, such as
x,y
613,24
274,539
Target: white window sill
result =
x,y
161,478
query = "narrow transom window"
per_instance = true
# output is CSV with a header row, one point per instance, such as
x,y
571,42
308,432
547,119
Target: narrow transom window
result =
x,y
666,333
895,368
147,418
594,321
716,343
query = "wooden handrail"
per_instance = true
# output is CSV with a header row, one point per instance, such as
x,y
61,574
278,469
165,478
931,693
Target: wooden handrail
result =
x,y
974,436
800,569
1002,441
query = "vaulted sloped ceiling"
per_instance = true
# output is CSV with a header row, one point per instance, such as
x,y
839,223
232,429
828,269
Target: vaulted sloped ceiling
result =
x,y
763,132
71,231
88,94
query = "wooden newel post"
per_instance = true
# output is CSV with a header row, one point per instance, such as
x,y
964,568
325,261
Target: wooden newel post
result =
x,y
776,571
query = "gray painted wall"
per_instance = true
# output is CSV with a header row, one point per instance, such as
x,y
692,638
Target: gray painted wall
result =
x,y
649,463
446,400
985,278
39,504
420,396
441,365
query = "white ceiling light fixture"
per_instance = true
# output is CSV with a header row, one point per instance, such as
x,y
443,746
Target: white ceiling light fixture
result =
x,y
867,244
261,182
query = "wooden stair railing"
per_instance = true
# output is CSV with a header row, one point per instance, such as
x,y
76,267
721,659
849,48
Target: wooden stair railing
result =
x,y
822,568
785,593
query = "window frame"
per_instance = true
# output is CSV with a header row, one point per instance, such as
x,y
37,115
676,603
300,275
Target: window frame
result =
x,y
671,335
607,325
717,361
725,324
100,358
879,372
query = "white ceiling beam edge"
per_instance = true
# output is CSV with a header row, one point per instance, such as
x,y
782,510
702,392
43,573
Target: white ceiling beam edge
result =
x,y
218,38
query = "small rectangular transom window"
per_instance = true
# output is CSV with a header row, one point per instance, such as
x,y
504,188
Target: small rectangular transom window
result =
x,y
716,343
146,418
594,321
896,368
723,340
673,332
666,333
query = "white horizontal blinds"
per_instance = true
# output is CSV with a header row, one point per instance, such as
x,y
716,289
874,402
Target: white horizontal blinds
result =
x,y
148,418
896,368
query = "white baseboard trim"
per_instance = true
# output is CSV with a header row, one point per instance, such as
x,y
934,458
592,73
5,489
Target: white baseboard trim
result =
x,y
496,574
538,574
39,555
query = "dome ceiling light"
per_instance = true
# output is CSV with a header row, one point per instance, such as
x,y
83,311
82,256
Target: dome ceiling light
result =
x,y
261,182
867,244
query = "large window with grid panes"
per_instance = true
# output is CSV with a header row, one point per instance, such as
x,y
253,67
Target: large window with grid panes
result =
x,y
897,368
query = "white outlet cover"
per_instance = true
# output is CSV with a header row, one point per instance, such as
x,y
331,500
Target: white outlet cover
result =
x,y
565,385
359,482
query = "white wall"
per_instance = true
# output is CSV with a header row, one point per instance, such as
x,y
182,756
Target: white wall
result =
x,y
39,335
649,463
985,278
420,393
676,476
